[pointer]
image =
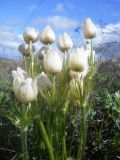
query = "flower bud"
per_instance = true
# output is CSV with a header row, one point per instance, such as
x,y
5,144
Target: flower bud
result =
x,y
79,60
52,62
47,36
30,34
43,50
89,29
64,42
24,49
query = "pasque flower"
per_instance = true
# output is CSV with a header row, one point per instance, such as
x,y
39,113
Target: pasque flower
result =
x,y
89,29
64,42
30,34
47,36
52,62
25,88
78,61
25,50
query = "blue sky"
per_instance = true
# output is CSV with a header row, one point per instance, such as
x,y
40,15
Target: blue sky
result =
x,y
62,15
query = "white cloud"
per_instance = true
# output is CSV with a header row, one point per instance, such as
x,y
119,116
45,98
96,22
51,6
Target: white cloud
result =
x,y
9,42
59,22
60,7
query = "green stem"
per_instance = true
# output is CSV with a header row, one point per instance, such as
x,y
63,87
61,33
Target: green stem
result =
x,y
31,59
49,127
64,113
64,136
46,139
56,148
82,140
24,143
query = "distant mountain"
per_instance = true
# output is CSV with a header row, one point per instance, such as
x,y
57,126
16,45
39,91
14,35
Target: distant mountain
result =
x,y
6,66
105,51
108,50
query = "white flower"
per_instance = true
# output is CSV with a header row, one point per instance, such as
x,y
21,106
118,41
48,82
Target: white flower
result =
x,y
47,36
25,88
43,82
89,29
64,42
24,49
30,34
52,62
78,61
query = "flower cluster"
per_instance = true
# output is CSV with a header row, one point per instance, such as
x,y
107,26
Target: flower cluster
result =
x,y
25,89
50,83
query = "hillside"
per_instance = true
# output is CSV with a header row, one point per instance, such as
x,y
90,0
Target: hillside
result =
x,y
6,66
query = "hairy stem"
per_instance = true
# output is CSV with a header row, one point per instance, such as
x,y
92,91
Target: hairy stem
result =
x,y
24,143
46,139
82,140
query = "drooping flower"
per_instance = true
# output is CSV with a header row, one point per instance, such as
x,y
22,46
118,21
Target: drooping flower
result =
x,y
43,82
78,61
89,29
24,87
64,42
24,49
30,34
43,50
52,62
47,36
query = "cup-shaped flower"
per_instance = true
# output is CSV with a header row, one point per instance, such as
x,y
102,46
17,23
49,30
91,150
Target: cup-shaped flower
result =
x,y
78,61
24,49
89,29
43,50
30,34
47,36
43,82
52,62
64,42
25,88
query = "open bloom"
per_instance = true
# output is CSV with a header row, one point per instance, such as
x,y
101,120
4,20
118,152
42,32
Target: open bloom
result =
x,y
52,62
47,36
25,88
89,29
78,61
64,42
30,34
24,49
